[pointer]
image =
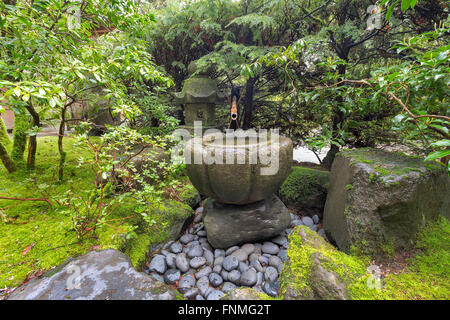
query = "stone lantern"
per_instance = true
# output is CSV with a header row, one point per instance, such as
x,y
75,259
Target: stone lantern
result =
x,y
199,96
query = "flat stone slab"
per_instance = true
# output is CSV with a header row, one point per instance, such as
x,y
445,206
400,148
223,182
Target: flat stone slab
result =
x,y
97,275
227,224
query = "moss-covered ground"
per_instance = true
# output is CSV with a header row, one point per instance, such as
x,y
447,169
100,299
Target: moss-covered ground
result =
x,y
36,237
426,275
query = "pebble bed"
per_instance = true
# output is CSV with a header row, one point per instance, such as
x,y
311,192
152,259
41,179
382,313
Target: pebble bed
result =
x,y
201,272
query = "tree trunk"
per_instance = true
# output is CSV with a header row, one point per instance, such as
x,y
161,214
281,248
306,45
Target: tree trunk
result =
x,y
337,117
21,125
32,142
248,103
62,154
9,165
4,137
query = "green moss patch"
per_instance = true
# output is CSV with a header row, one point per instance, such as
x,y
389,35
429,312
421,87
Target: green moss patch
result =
x,y
390,164
305,188
37,237
425,277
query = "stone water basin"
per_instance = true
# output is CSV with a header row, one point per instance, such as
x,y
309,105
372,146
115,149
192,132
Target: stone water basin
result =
x,y
240,167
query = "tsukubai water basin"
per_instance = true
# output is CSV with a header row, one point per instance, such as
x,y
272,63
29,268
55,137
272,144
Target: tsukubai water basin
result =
x,y
240,167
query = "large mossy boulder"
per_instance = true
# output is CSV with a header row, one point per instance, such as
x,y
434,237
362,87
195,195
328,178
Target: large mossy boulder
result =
x,y
306,189
378,201
97,275
315,270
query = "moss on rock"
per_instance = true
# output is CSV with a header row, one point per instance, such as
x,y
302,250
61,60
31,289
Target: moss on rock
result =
x,y
306,188
316,270
189,195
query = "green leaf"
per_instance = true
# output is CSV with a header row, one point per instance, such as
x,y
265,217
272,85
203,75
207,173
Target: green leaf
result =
x,y
437,155
405,5
441,143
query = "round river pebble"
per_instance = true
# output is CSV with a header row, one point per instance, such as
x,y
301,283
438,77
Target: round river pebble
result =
x,y
206,273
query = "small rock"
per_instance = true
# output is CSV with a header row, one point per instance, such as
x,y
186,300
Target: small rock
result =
x,y
271,288
205,271
165,253
316,219
199,297
234,276
257,265
297,223
201,233
321,233
282,255
231,250
280,240
307,221
259,278
172,276
219,261
275,262
219,253
203,285
198,218
176,247
167,245
271,274
263,260
182,262
224,275
195,251
230,263
313,227
207,246
243,266
248,248
293,216
199,210
215,295
197,262
158,264
218,268
209,256
215,279
253,257
240,254
191,293
270,248
228,286
288,231
248,278
157,276
185,239
170,260
202,240
186,283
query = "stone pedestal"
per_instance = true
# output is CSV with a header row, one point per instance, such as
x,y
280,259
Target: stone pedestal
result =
x,y
228,224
